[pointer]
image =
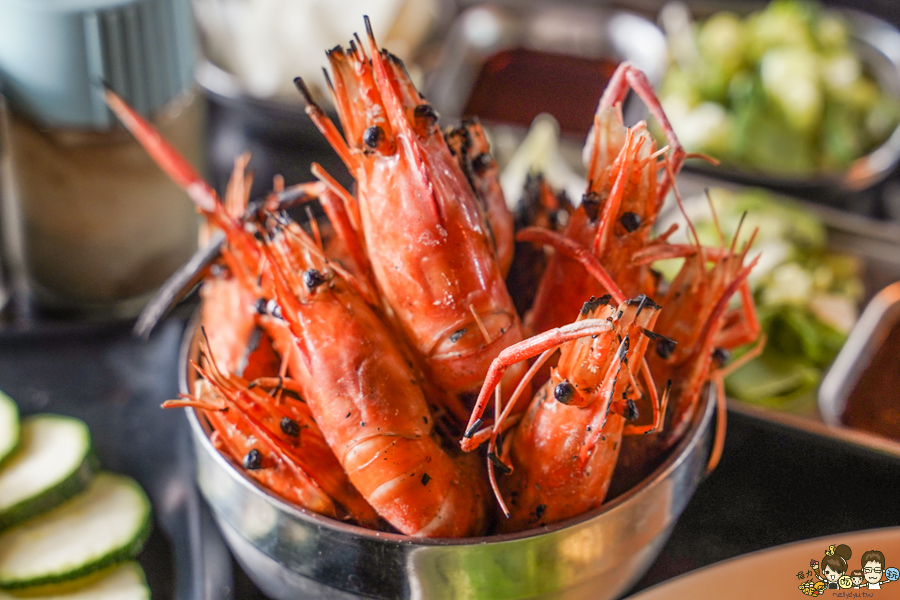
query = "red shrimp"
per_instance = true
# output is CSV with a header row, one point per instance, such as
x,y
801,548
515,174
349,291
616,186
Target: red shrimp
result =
x,y
695,332
617,212
540,207
277,443
470,146
427,237
560,459
367,399
360,386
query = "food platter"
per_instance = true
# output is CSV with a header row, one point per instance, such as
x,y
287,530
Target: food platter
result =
x,y
877,44
487,29
720,578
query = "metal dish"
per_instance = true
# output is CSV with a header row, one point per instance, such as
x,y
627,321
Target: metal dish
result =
x,y
482,31
592,32
877,43
877,245
291,553
880,316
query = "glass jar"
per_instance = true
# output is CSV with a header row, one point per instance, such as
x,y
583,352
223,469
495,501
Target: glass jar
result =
x,y
99,225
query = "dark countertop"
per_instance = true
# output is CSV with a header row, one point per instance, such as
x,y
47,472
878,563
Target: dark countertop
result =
x,y
115,383
774,485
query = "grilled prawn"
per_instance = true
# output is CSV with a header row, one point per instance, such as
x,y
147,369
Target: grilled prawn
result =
x,y
277,441
361,389
617,213
562,454
430,242
368,402
700,326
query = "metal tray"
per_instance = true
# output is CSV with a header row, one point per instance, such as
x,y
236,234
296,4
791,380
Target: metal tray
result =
x,y
881,316
604,32
559,28
877,43
877,245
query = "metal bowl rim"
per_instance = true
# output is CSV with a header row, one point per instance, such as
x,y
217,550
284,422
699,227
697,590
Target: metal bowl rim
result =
x,y
676,457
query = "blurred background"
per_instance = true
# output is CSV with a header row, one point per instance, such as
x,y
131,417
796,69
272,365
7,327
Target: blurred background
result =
x,y
789,99
798,101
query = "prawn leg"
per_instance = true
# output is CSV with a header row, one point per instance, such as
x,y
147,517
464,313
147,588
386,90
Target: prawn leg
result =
x,y
658,405
628,76
522,351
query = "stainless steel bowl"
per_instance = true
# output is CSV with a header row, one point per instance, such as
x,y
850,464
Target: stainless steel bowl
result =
x,y
292,553
874,326
877,43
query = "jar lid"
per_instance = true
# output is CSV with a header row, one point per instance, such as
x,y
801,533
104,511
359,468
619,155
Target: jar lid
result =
x,y
55,55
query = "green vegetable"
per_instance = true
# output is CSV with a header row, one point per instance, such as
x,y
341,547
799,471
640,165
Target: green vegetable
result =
x,y
772,376
9,426
106,524
124,581
52,463
792,97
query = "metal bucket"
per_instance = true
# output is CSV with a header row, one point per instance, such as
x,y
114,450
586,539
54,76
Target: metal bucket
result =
x,y
292,553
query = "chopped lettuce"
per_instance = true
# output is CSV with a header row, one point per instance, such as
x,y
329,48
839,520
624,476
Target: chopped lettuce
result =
x,y
806,297
780,91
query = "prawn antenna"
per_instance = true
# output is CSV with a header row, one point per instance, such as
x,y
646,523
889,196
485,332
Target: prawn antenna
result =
x,y
737,232
304,90
715,217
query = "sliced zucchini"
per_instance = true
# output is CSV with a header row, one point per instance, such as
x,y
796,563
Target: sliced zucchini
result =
x,y
52,463
124,581
9,426
105,524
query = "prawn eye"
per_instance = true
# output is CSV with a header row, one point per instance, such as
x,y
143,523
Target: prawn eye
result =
x,y
482,162
665,347
564,392
260,306
373,136
313,278
376,139
426,114
630,221
591,204
290,427
720,356
631,411
253,460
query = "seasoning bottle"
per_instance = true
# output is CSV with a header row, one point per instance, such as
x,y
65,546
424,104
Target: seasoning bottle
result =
x,y
97,226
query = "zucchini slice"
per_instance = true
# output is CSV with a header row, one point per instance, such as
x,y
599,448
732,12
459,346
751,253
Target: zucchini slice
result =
x,y
52,463
106,524
124,581
9,426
